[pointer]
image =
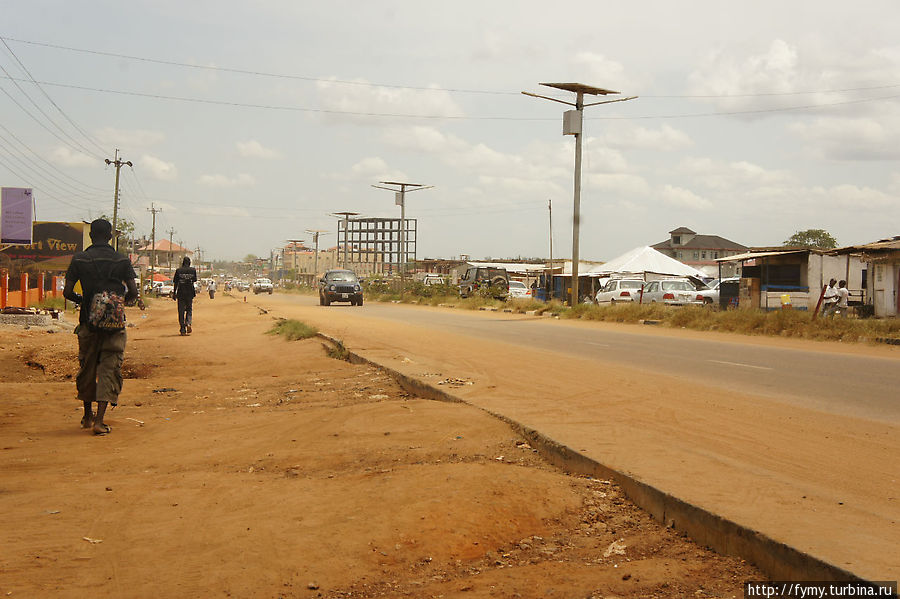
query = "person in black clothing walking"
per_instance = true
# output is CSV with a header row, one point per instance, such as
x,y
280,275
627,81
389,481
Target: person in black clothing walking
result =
x,y
184,293
100,352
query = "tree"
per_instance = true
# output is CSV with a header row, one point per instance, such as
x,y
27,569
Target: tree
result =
x,y
125,227
818,239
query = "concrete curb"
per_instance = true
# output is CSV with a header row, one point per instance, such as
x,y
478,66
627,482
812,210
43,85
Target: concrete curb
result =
x,y
775,559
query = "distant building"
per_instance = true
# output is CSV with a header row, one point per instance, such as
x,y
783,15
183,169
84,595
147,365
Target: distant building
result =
x,y
701,251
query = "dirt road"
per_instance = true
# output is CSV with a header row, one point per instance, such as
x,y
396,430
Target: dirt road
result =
x,y
824,483
243,465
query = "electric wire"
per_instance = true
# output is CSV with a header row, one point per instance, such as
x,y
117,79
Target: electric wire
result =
x,y
46,177
49,99
15,81
37,164
411,87
463,117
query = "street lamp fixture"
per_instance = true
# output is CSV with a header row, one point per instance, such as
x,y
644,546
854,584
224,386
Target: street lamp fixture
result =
x,y
572,125
400,190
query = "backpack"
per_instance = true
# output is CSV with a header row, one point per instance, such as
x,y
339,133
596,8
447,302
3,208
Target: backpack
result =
x,y
106,311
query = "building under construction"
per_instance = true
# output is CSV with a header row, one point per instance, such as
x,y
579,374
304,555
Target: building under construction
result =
x,y
376,244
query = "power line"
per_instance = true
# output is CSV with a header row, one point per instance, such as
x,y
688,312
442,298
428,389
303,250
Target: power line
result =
x,y
15,82
411,87
21,144
48,178
49,99
457,117
255,73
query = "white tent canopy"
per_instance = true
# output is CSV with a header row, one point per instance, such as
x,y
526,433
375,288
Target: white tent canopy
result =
x,y
645,259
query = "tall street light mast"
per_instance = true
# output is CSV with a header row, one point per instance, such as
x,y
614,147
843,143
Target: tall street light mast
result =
x,y
315,233
572,125
346,216
400,190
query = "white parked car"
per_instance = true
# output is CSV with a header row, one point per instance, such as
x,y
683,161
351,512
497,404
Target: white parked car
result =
x,y
672,292
165,289
620,290
262,285
519,290
711,294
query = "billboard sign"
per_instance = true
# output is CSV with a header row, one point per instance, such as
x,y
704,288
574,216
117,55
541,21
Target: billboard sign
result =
x,y
16,215
54,244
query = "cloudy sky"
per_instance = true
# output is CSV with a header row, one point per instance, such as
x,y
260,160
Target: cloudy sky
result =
x,y
250,122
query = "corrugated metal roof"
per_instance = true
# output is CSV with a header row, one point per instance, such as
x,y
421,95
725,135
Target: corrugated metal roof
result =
x,y
752,255
887,244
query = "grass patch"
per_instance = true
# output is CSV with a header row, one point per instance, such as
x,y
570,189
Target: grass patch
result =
x,y
293,329
780,323
51,303
338,351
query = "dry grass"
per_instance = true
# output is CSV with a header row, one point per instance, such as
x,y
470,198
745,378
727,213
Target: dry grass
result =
x,y
293,329
787,323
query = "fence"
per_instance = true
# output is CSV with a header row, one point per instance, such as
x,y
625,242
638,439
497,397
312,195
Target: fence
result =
x,y
29,289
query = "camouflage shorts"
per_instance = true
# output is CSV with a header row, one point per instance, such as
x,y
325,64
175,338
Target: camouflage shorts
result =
x,y
100,355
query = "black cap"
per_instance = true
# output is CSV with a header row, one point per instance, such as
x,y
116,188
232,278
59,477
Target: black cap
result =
x,y
101,229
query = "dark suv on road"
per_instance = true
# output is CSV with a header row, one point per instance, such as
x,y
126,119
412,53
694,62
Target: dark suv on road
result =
x,y
479,277
340,286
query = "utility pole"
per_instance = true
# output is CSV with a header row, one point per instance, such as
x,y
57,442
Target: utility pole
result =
x,y
294,262
199,255
315,233
346,216
400,200
572,125
550,279
115,224
171,233
154,210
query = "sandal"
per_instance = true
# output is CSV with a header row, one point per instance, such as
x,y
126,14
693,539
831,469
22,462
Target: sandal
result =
x,y
103,431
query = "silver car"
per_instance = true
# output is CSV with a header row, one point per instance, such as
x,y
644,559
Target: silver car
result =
x,y
519,290
620,290
672,292
711,294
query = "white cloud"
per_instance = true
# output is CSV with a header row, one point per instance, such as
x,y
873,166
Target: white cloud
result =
x,y
66,157
217,180
665,139
363,99
588,66
374,169
620,184
852,138
811,73
731,177
683,198
129,138
231,211
254,149
158,169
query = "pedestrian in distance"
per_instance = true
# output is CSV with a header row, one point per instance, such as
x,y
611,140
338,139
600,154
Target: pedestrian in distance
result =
x,y
843,303
184,293
212,289
830,299
107,286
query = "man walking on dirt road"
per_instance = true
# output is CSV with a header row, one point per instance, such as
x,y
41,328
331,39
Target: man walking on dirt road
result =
x,y
184,293
109,275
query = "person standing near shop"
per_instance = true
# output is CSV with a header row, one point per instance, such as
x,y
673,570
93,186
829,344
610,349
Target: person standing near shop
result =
x,y
843,303
184,293
212,289
108,285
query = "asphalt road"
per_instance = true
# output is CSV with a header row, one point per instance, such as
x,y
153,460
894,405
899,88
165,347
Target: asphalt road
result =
x,y
848,383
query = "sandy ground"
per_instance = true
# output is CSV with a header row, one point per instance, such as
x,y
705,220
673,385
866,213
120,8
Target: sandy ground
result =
x,y
823,483
244,465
